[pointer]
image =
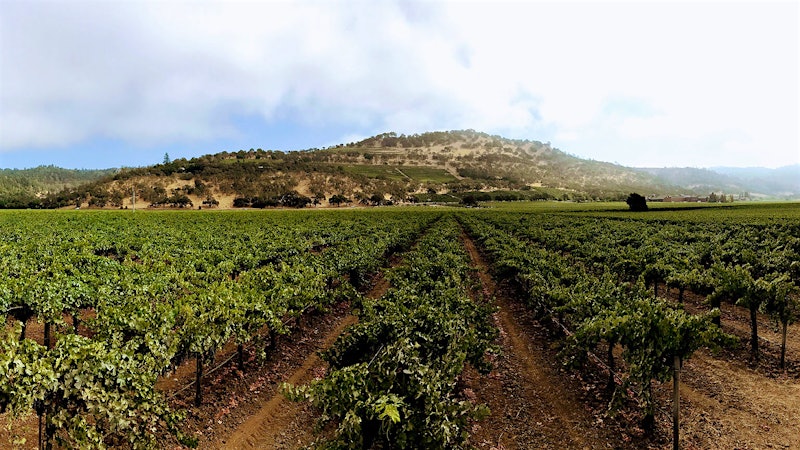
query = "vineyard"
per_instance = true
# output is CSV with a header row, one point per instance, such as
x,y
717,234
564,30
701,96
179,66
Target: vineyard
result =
x,y
524,326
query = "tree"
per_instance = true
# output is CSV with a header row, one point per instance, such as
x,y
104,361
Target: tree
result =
x,y
376,199
294,199
338,199
636,202
469,200
210,202
166,158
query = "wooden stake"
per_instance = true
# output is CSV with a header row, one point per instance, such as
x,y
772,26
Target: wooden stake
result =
x,y
198,393
676,382
47,335
41,432
783,345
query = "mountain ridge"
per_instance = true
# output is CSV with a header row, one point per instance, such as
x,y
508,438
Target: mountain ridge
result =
x,y
391,168
754,182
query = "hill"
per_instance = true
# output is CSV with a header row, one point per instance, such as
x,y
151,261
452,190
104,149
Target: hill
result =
x,y
21,188
751,182
387,168
780,182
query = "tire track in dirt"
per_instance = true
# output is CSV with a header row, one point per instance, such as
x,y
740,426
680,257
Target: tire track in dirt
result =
x,y
281,423
532,405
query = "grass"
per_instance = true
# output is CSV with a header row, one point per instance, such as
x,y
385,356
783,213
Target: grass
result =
x,y
400,173
437,198
743,212
428,174
375,171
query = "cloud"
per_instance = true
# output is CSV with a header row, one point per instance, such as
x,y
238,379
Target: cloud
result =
x,y
607,81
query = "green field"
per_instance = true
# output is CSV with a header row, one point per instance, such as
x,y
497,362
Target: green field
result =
x,y
759,212
427,174
375,171
101,305
400,173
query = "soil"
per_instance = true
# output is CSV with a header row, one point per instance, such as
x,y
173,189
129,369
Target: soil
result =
x,y
279,423
534,403
241,408
727,405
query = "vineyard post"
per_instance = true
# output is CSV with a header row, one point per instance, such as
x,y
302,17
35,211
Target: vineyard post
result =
x,y
783,344
49,432
272,340
134,198
198,393
611,386
676,382
753,305
38,406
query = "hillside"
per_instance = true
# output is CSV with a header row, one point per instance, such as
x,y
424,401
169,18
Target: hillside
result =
x,y
753,182
387,168
19,188
783,181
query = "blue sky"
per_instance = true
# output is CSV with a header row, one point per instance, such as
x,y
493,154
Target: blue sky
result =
x,y
251,132
108,84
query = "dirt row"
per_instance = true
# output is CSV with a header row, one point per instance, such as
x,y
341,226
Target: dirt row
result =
x,y
726,402
279,423
534,401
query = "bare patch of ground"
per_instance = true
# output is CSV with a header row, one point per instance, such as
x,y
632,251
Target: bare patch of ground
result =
x,y
727,405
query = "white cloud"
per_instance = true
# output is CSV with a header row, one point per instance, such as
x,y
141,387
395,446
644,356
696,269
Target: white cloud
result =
x,y
644,84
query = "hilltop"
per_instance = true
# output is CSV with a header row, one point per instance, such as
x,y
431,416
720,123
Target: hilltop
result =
x,y
387,168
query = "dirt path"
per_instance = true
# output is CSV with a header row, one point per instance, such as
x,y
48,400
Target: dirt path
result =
x,y
280,423
534,404
277,423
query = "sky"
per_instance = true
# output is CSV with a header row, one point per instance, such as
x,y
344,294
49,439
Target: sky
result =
x,y
98,84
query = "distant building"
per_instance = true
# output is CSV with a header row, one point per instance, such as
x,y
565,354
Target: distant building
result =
x,y
676,198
